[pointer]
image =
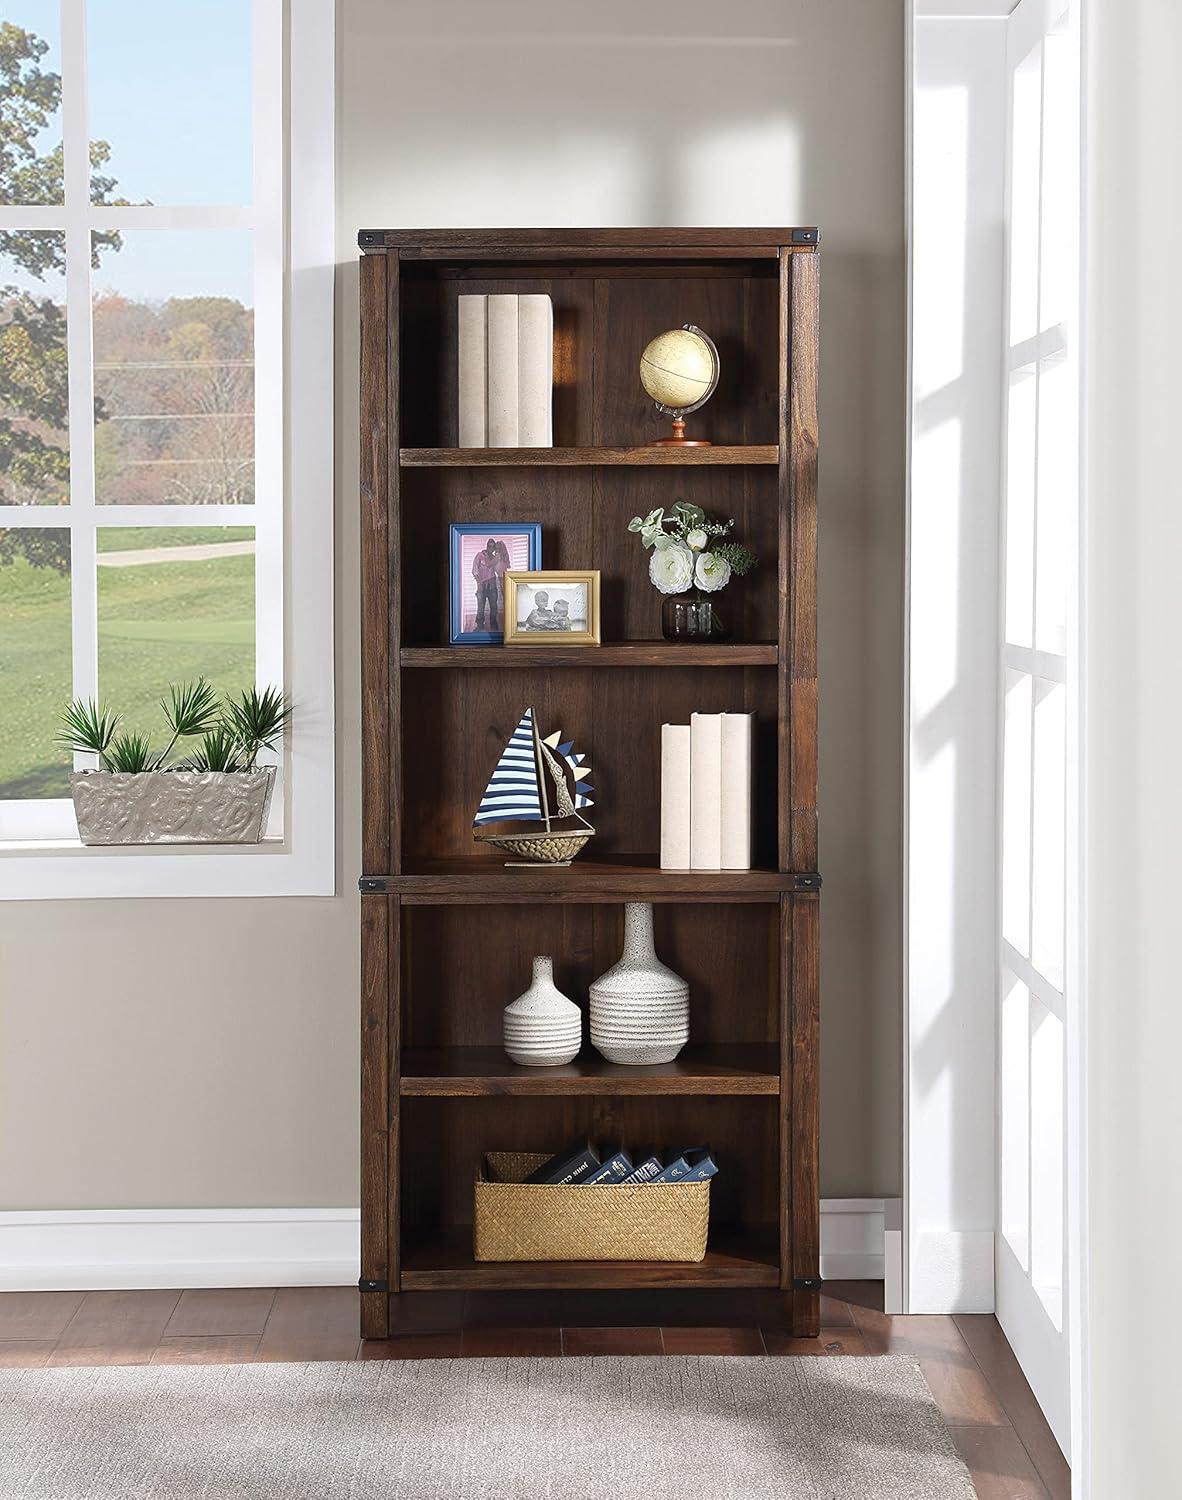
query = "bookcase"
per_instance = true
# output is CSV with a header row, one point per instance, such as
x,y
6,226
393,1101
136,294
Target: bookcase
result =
x,y
448,931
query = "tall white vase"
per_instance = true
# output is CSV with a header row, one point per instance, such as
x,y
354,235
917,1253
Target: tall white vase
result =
x,y
542,1027
640,1007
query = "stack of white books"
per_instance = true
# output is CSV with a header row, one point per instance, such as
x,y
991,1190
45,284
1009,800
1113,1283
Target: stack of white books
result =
x,y
506,371
706,768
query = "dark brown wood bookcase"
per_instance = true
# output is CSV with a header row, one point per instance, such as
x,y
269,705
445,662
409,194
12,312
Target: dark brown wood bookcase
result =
x,y
448,932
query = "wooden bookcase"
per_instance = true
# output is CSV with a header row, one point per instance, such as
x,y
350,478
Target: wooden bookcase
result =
x,y
448,933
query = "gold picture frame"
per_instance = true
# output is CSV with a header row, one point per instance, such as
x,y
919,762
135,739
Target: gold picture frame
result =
x,y
535,617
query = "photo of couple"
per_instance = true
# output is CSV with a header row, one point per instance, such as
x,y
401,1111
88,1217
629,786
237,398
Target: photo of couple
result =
x,y
481,555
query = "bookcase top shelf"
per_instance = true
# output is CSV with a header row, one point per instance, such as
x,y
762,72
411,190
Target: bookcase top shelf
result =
x,y
805,237
610,654
452,1072
569,458
621,878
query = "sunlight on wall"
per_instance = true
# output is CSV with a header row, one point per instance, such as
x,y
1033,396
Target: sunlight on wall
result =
x,y
941,228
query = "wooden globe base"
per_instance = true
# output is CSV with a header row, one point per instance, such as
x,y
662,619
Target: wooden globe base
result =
x,y
679,439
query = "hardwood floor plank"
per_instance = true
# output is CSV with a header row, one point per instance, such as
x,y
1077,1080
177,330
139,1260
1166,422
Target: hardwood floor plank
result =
x,y
37,1315
524,1343
124,1321
835,1313
312,1323
868,1294
829,1341
985,1338
441,1345
957,1385
235,1312
211,1349
25,1354
426,1312
712,1341
111,1353
998,1463
581,1341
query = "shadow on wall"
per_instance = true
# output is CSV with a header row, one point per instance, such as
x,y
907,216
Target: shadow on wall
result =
x,y
759,112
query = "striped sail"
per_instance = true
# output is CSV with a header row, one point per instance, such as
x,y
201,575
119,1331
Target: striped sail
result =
x,y
513,790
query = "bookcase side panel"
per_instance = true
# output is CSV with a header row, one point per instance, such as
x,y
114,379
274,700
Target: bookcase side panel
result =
x,y
375,574
375,1072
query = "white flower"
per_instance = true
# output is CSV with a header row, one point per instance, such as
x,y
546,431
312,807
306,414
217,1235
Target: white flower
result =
x,y
711,572
696,540
671,568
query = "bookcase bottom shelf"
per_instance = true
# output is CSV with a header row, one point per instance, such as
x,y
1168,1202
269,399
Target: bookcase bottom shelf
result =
x,y
735,1258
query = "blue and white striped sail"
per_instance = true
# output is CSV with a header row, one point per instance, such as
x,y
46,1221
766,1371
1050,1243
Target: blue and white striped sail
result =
x,y
513,790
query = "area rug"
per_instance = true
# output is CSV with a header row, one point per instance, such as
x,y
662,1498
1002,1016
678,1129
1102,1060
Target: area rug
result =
x,y
482,1429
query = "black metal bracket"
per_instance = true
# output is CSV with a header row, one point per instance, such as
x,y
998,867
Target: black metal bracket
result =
x,y
372,1286
809,881
807,1283
806,236
369,239
368,884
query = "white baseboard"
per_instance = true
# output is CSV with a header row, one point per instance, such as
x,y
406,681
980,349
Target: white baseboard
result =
x,y
119,1249
116,1249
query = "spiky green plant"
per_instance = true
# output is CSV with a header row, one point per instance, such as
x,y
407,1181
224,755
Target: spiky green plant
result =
x,y
257,720
219,750
190,710
130,752
89,729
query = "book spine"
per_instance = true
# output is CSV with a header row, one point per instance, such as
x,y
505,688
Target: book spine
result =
x,y
473,371
572,1165
535,370
675,796
705,791
613,1171
502,371
676,1171
735,839
701,1170
645,1172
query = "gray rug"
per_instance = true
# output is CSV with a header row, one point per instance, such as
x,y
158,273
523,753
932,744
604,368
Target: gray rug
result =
x,y
481,1429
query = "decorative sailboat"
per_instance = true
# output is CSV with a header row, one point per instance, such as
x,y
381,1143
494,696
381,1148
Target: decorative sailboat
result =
x,y
530,768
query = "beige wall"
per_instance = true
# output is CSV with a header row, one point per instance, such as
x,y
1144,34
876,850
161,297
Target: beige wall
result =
x,y
203,1053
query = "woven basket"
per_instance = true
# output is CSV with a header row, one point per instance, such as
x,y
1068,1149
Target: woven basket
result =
x,y
518,1220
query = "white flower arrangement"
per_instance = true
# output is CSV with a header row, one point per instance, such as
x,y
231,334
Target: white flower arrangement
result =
x,y
671,568
689,550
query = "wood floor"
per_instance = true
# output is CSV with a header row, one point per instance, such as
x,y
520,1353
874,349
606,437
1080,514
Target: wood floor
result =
x,y
974,1377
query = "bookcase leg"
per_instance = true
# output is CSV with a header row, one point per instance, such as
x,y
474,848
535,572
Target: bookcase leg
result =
x,y
804,1313
375,1315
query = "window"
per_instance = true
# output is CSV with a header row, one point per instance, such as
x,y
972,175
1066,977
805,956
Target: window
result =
x,y
146,485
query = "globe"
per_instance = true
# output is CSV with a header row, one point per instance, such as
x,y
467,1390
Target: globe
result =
x,y
679,370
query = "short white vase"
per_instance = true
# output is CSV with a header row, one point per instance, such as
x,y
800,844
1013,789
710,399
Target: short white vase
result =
x,y
640,1007
543,1029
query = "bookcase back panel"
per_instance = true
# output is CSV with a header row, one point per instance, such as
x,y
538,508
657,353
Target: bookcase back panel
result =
x,y
444,1142
601,326
584,515
463,965
456,723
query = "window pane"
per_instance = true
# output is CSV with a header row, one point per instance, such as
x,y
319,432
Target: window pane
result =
x,y
174,369
1057,494
31,116
34,404
1020,508
1060,175
1015,1117
174,603
170,98
1046,1160
1015,858
1048,862
35,660
1025,155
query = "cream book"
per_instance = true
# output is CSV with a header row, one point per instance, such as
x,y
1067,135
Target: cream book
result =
x,y
502,370
705,791
737,736
535,370
473,371
675,796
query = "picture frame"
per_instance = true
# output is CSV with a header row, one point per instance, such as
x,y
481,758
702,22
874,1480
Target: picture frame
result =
x,y
559,607
476,604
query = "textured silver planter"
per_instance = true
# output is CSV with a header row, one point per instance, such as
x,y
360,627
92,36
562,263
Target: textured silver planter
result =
x,y
172,807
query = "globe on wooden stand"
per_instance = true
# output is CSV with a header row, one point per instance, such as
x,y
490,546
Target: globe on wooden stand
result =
x,y
679,370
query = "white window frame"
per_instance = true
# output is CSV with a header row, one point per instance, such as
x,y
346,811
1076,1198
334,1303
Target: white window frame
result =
x,y
40,855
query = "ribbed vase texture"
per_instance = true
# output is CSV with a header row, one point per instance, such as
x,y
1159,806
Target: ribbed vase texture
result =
x,y
543,1029
640,1007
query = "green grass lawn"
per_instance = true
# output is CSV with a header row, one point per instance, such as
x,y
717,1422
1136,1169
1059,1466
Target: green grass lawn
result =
x,y
158,623
139,538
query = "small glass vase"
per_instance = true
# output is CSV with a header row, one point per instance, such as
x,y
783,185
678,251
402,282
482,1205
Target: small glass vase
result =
x,y
690,617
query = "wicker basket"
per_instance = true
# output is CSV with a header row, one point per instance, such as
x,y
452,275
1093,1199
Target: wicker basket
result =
x,y
518,1220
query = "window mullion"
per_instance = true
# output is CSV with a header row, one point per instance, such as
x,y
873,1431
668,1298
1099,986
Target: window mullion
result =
x,y
79,352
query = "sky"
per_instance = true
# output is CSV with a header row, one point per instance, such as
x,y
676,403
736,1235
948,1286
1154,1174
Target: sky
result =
x,y
170,91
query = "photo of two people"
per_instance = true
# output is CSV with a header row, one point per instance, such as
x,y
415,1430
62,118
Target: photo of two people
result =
x,y
549,608
481,554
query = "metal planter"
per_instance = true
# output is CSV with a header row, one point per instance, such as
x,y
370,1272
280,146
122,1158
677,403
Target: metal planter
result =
x,y
172,807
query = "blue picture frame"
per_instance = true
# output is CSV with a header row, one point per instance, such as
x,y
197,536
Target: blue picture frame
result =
x,y
457,581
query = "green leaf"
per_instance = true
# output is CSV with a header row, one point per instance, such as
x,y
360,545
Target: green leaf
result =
x,y
257,720
192,709
129,753
87,728
219,751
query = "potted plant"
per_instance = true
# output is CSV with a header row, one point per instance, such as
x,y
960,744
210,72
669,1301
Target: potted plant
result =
x,y
692,560
216,794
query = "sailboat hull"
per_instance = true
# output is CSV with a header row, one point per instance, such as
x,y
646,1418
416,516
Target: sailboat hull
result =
x,y
558,847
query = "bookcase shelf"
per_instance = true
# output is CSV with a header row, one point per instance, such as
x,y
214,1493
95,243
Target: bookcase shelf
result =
x,y
610,654
458,1072
448,929
647,456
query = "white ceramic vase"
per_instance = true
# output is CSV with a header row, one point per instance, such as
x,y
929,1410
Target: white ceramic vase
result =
x,y
640,1007
542,1027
